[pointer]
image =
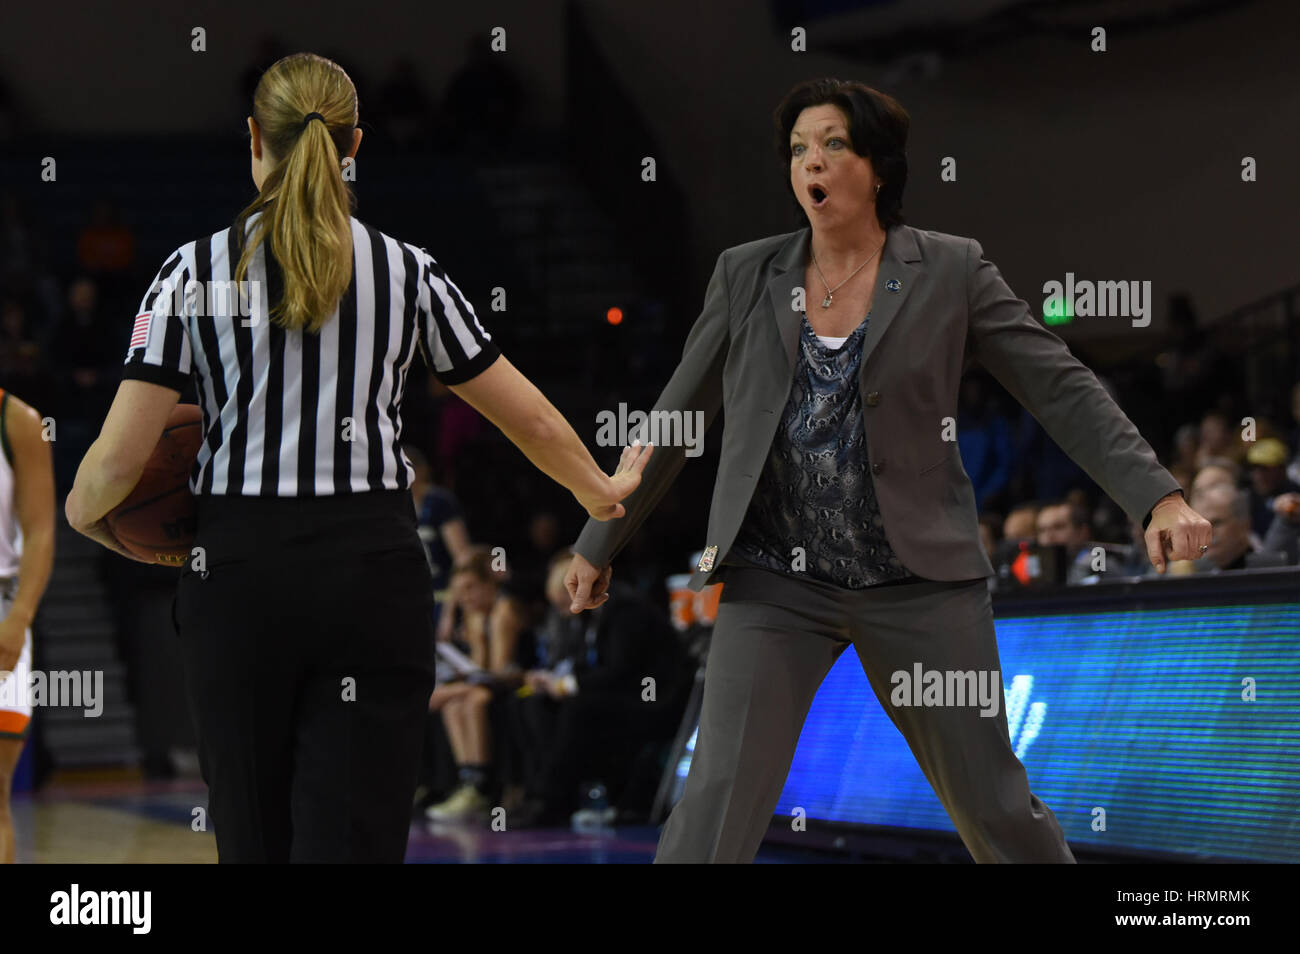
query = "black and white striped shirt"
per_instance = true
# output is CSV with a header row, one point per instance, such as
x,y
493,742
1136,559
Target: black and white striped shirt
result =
x,y
292,413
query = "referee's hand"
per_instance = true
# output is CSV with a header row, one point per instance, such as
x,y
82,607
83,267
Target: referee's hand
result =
x,y
625,479
587,586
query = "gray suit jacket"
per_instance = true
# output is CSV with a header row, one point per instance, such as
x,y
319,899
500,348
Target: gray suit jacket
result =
x,y
938,304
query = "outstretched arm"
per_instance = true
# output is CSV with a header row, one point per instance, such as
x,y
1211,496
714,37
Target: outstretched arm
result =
x,y
1036,367
524,415
113,464
696,385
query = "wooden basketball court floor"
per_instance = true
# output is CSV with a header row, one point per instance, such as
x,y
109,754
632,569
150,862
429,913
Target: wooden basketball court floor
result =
x,y
117,817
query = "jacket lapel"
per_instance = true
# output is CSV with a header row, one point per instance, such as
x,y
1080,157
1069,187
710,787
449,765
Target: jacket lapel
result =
x,y
894,280
787,275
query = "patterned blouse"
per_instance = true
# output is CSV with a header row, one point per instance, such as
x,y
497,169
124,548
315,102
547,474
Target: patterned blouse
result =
x,y
816,491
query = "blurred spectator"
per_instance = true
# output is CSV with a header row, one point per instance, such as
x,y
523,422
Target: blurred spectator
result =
x,y
1216,470
444,535
105,244
1108,521
456,424
106,252
1266,461
588,715
984,440
1021,523
526,577
25,270
89,350
22,364
1042,470
1293,469
1187,440
87,353
1189,365
20,251
1065,523
1228,510
1283,534
490,633
1219,439
1136,562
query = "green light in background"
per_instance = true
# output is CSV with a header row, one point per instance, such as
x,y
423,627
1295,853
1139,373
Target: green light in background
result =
x,y
1058,310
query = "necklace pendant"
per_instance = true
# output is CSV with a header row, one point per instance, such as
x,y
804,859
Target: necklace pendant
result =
x,y
826,302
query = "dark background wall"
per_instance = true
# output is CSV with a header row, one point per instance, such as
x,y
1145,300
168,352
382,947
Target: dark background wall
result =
x,y
1122,164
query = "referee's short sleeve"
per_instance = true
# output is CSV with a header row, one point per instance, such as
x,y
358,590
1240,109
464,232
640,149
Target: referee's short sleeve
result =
x,y
159,347
456,347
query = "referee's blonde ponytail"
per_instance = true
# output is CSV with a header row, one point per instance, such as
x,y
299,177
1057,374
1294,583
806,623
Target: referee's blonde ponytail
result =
x,y
304,201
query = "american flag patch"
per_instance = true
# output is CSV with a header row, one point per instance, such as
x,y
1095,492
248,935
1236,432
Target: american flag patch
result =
x,y
140,332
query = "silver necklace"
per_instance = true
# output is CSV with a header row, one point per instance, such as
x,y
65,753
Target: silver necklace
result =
x,y
830,292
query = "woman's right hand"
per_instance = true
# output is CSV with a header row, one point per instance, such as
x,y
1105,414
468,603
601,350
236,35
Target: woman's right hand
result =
x,y
588,586
604,505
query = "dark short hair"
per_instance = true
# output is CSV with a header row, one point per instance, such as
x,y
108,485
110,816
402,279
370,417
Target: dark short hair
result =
x,y
878,127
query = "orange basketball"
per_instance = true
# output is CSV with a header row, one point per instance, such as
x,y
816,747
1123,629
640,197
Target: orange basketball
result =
x,y
158,519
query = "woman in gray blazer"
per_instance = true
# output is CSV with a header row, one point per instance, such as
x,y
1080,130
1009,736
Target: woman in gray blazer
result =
x,y
841,512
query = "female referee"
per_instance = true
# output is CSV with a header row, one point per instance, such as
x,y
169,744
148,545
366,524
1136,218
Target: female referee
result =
x,y
306,631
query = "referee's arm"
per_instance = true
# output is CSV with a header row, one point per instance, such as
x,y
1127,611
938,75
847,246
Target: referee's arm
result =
x,y
156,369
464,358
524,415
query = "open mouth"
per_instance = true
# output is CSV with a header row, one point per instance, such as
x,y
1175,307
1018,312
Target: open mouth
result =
x,y
818,195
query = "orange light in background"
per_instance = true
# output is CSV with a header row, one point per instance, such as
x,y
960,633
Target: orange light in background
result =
x,y
614,316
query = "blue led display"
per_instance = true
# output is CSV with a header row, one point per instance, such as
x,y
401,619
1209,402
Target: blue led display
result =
x,y
1139,713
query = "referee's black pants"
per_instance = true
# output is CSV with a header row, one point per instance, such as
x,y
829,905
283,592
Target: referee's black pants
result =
x,y
307,645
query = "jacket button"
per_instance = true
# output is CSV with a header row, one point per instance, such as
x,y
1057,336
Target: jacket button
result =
x,y
873,398
878,467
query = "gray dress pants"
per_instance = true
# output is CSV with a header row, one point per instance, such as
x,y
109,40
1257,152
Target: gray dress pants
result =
x,y
776,638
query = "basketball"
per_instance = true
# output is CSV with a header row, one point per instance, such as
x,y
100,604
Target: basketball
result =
x,y
157,520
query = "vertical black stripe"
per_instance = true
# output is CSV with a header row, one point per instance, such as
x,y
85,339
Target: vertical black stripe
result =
x,y
155,291
173,338
344,383
382,321
174,326
196,472
422,328
307,413
212,356
274,382
243,338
